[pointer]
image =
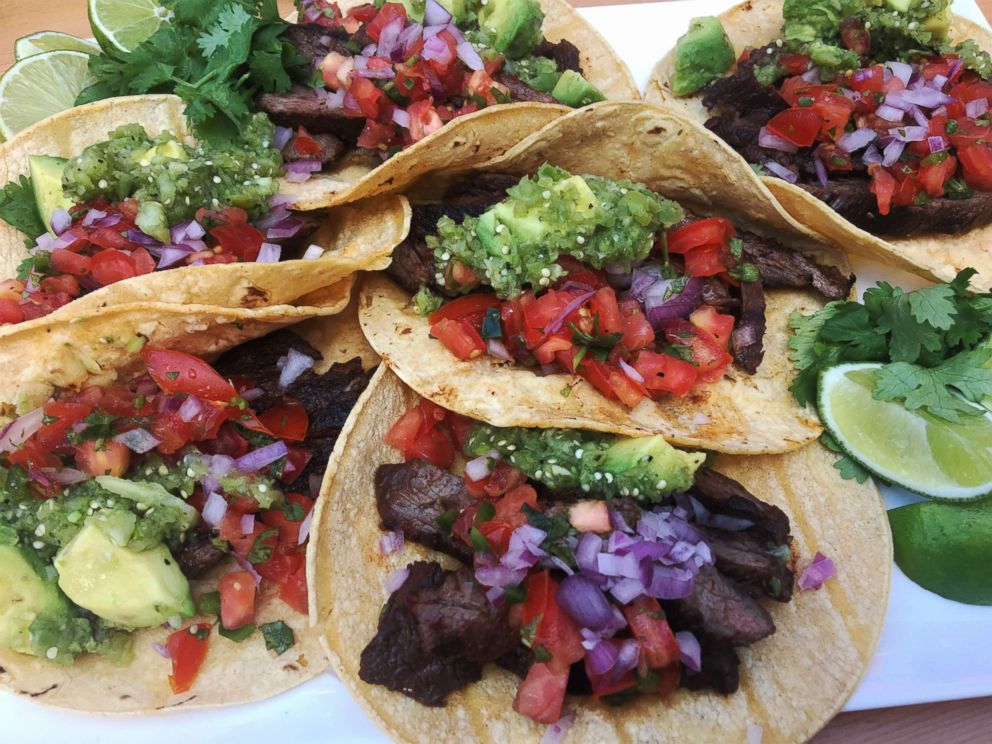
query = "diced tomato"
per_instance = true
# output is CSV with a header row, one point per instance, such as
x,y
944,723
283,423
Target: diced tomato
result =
x,y
794,64
665,373
868,80
628,391
287,420
907,185
603,305
293,590
540,313
187,648
367,98
968,132
237,599
597,374
796,125
649,626
64,283
289,530
503,479
541,694
109,266
719,326
479,83
304,144
835,110
424,119
637,330
110,238
10,311
590,516
933,177
171,430
976,162
883,186
227,442
471,307
707,232
387,13
708,357
177,372
610,683
508,516
434,446
459,337
707,260
377,136
239,239
461,427
545,353
67,262
102,458
402,434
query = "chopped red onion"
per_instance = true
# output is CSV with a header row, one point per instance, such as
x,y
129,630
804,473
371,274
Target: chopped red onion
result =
x,y
555,325
262,457
767,138
632,373
161,650
291,366
901,70
379,72
587,551
432,30
871,155
938,82
892,152
856,140
282,137
499,576
467,54
812,76
556,732
389,36
889,113
214,509
689,649
496,348
976,108
138,440
61,221
786,174
247,524
437,50
173,254
286,228
584,602
246,566
919,117
936,143
92,216
455,32
435,14
909,134
191,408
818,571
480,467
925,97
602,657
407,38
300,170
306,525
18,431
269,253
312,252
630,654
391,542
401,117
821,171
67,476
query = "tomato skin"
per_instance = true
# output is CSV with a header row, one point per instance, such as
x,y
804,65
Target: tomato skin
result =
x,y
187,652
665,373
638,332
718,325
459,337
102,458
707,232
177,372
628,391
109,266
976,162
403,433
65,283
503,480
287,420
10,311
238,239
304,144
237,599
434,446
933,177
471,307
708,260
597,374
508,516
968,133
424,119
293,590
66,262
604,306
709,358
388,12
541,694
555,631
794,64
648,625
883,186
798,126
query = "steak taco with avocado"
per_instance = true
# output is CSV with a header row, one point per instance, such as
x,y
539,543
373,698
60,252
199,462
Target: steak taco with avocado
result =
x,y
867,118
603,274
154,530
612,588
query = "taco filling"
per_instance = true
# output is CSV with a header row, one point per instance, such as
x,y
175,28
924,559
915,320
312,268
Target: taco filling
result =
x,y
133,204
865,105
601,278
592,564
392,73
118,500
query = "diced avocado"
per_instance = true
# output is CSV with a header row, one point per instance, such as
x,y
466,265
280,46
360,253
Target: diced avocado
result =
x,y
46,177
901,5
574,90
24,596
581,196
528,227
650,464
514,24
172,150
128,588
459,9
940,24
414,9
151,220
701,55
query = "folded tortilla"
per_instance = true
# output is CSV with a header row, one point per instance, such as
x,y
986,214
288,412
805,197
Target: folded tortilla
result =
x,y
791,683
935,257
740,414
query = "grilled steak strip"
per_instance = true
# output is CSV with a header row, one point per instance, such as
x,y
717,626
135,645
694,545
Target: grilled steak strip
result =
x,y
746,559
564,53
520,91
331,148
413,496
747,338
301,106
434,634
780,267
719,670
723,495
719,610
198,554
314,41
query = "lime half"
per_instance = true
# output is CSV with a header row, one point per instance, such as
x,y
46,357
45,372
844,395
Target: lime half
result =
x,y
39,86
52,41
120,25
912,449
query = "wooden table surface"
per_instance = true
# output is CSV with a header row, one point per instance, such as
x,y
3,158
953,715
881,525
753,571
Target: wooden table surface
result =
x,y
958,722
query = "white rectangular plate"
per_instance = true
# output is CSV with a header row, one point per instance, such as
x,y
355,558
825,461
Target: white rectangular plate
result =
x,y
931,649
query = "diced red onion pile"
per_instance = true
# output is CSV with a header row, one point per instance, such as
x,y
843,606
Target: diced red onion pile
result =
x,y
658,296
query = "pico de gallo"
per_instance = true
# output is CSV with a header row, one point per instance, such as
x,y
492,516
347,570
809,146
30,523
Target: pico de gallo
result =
x,y
610,287
408,68
590,596
116,499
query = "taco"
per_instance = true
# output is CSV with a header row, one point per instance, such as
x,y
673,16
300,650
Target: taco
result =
x,y
167,514
868,120
519,561
633,280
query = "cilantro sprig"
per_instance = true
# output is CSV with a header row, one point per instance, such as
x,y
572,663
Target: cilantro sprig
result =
x,y
215,54
931,343
19,209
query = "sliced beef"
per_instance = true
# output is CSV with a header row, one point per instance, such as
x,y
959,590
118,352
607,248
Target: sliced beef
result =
x,y
741,105
331,148
520,91
434,634
781,267
517,660
198,554
564,53
719,670
719,610
301,106
745,558
747,338
853,200
314,41
723,495
412,496
413,266
717,294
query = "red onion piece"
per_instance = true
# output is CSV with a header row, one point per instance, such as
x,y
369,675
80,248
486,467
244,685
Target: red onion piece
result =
x,y
391,542
556,732
269,253
689,649
976,108
396,579
754,733
602,657
401,117
555,325
247,524
246,566
435,14
872,155
812,76
938,82
173,254
67,476
901,70
18,431
282,137
214,509
437,50
467,54
909,134
496,348
889,113
818,571
285,228
61,221
300,170
766,138
679,305
479,468
821,172
389,36
407,38
856,140
161,650
262,457
925,97
584,602
291,366
312,252
936,143
632,373
191,408
138,440
786,174
587,551
892,152
307,524
92,216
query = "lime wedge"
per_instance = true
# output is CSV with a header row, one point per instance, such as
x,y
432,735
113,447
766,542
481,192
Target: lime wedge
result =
x,y
120,25
945,548
912,449
52,41
39,86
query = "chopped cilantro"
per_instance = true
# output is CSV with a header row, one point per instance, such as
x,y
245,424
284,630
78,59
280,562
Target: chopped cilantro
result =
x,y
19,209
278,636
261,549
238,634
848,468
209,603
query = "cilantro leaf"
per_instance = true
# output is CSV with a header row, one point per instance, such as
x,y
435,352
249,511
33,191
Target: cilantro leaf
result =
x,y
278,636
19,209
942,390
849,468
934,306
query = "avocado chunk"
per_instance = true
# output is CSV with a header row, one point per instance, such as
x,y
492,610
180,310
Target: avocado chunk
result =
x,y
940,24
46,178
574,90
459,9
901,5
701,55
414,9
515,25
151,220
24,597
127,588
651,463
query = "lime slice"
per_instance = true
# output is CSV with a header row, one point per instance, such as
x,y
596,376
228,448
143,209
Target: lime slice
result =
x,y
120,25
945,548
912,449
52,41
39,86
